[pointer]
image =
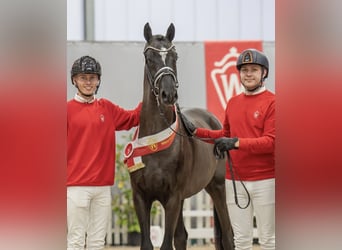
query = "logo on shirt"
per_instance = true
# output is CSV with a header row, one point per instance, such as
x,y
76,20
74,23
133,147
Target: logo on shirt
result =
x,y
102,118
256,114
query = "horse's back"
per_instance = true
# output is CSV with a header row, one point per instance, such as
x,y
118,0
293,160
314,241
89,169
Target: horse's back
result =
x,y
202,118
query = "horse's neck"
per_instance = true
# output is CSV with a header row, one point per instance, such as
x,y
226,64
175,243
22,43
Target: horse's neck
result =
x,y
154,119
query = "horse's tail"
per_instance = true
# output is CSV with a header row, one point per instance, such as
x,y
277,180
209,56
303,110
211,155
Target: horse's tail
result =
x,y
217,232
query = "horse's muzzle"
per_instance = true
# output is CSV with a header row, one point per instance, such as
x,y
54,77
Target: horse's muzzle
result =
x,y
169,97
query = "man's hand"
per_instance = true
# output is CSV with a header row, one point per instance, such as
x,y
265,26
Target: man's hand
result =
x,y
224,144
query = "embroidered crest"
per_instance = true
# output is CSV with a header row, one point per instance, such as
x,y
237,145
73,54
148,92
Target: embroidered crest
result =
x,y
102,118
153,147
256,114
152,144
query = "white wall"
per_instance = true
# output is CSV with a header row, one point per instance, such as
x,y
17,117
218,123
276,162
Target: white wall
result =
x,y
75,25
196,20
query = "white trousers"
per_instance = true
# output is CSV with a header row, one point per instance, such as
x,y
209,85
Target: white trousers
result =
x,y
88,215
262,205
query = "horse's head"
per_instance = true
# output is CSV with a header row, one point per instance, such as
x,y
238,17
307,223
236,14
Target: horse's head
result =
x,y
160,65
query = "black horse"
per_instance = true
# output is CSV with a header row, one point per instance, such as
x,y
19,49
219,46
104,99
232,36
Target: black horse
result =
x,y
185,165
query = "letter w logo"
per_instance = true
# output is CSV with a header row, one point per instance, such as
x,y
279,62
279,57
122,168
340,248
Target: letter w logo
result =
x,y
225,77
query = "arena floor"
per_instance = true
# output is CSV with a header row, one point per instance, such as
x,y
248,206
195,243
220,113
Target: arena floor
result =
x,y
202,247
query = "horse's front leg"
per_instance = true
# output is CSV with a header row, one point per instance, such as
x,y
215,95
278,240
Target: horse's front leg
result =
x,y
142,208
172,210
181,235
223,229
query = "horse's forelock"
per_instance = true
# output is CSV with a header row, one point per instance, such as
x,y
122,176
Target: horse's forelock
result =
x,y
160,41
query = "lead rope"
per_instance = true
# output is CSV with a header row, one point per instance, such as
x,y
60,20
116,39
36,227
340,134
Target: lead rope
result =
x,y
234,185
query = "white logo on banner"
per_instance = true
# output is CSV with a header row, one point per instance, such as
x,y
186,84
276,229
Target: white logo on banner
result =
x,y
229,82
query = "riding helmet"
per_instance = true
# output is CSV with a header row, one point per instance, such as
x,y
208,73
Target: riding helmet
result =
x,y
252,56
86,65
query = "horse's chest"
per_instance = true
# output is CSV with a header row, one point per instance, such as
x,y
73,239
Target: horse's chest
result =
x,y
160,174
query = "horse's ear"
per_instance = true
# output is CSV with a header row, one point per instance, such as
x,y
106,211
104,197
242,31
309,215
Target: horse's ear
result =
x,y
147,32
170,34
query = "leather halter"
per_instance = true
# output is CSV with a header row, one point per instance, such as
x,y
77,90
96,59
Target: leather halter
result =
x,y
163,71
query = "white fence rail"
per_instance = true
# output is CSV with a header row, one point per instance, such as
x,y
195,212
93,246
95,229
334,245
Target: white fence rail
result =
x,y
198,220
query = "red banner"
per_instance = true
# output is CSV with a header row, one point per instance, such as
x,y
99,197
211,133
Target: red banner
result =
x,y
222,77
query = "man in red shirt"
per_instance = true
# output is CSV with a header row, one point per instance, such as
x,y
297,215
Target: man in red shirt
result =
x,y
91,126
249,133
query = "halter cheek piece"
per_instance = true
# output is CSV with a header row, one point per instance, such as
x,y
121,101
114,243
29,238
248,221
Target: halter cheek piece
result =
x,y
154,80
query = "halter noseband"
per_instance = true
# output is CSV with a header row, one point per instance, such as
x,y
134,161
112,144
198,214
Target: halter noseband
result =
x,y
153,80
